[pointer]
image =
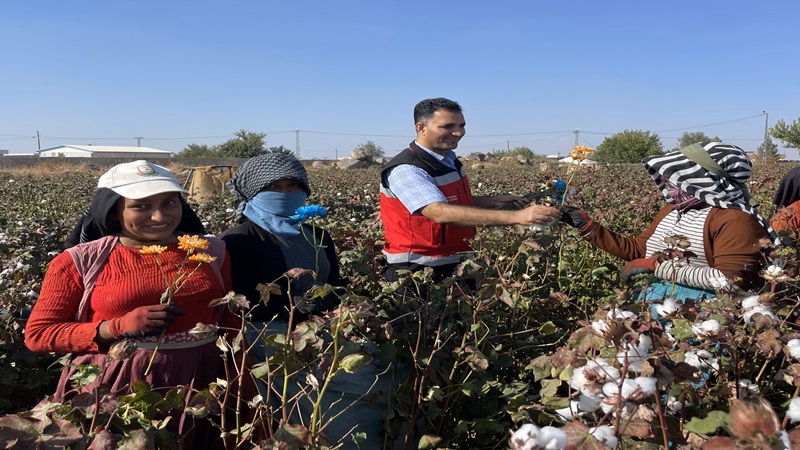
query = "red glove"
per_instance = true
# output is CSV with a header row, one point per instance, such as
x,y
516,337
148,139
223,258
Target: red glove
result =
x,y
144,321
637,267
577,218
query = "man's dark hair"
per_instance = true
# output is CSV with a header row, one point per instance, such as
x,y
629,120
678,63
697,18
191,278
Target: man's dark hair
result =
x,y
425,109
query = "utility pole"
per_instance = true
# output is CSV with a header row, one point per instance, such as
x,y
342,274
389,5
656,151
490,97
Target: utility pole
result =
x,y
577,133
297,143
508,146
766,135
38,141
138,140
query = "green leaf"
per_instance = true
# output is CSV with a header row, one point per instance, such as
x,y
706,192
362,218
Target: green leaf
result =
x,y
429,441
710,424
548,328
351,363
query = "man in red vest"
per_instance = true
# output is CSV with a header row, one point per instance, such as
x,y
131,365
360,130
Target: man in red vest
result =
x,y
426,206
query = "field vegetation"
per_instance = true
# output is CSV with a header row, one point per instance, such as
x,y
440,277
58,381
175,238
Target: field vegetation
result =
x,y
548,338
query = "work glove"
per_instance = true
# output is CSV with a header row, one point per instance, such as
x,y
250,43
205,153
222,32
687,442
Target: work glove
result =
x,y
576,217
637,267
143,321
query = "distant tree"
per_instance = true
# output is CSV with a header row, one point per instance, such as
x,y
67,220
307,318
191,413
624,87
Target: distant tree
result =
x,y
694,137
280,149
370,150
245,144
789,134
196,151
767,150
524,151
628,146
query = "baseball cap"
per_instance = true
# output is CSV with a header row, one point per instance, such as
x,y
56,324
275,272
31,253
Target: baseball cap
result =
x,y
139,179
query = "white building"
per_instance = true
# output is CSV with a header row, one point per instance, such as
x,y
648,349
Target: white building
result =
x,y
103,151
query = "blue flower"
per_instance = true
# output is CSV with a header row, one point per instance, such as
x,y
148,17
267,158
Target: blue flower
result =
x,y
307,212
559,185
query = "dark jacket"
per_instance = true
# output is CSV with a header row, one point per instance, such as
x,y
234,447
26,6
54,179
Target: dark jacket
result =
x,y
256,257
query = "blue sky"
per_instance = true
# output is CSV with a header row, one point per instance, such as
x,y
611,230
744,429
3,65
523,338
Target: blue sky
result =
x,y
527,73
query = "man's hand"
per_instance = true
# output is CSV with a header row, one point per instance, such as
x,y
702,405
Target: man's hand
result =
x,y
537,214
637,267
501,201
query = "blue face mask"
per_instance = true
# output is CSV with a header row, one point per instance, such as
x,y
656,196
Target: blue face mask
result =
x,y
271,211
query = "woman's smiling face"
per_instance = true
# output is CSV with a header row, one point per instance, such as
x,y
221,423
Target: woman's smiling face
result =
x,y
150,219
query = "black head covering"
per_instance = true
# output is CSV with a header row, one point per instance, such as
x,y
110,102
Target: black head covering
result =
x,y
98,220
789,190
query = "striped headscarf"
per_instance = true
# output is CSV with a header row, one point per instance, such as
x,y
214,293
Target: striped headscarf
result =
x,y
713,189
258,172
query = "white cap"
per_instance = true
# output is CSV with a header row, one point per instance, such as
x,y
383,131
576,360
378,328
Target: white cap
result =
x,y
139,179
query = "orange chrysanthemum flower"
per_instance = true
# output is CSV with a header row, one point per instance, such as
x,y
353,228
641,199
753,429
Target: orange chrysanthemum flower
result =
x,y
152,249
203,258
190,243
579,152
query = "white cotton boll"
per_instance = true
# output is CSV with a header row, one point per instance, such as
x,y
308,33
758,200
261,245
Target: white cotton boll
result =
x,y
578,379
774,271
673,404
588,402
600,326
618,314
570,412
750,302
793,413
794,348
551,438
625,390
701,359
647,385
525,437
706,328
601,366
669,307
763,310
605,435
480,184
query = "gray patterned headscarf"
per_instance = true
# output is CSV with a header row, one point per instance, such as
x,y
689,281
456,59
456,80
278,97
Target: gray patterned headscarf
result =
x,y
693,179
258,172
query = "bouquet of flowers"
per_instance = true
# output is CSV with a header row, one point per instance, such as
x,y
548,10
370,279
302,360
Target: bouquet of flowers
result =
x,y
189,244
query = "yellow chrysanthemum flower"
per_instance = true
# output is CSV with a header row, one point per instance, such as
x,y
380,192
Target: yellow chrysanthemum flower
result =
x,y
203,258
152,249
192,243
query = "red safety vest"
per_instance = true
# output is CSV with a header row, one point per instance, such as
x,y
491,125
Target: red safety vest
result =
x,y
417,239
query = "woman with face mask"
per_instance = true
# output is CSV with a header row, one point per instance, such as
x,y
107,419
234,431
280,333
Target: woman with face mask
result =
x,y
268,190
709,207
268,242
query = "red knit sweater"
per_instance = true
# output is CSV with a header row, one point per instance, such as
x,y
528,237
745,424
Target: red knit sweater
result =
x,y
128,280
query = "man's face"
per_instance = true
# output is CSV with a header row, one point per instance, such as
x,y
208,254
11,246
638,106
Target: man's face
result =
x,y
442,132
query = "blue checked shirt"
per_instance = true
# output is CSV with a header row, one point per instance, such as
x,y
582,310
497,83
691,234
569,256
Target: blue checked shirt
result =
x,y
414,187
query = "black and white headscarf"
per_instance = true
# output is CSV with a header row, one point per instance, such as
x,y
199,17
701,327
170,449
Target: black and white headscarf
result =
x,y
258,172
715,190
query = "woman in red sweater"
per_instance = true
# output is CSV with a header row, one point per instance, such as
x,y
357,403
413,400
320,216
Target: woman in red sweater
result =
x,y
104,289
